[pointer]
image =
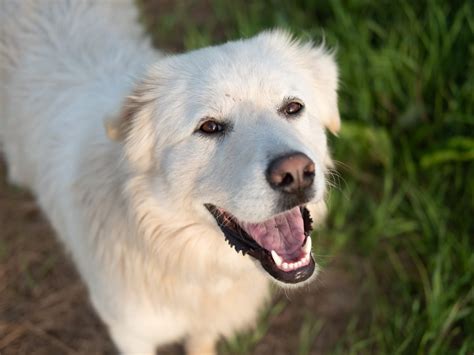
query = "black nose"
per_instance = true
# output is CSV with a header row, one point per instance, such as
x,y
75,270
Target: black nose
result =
x,y
291,173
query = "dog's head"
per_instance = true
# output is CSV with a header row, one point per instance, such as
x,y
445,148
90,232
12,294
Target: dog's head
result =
x,y
233,136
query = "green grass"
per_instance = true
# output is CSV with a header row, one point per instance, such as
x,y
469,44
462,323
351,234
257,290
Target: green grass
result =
x,y
242,344
405,197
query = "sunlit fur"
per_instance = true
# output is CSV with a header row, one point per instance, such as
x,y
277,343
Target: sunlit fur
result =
x,y
127,201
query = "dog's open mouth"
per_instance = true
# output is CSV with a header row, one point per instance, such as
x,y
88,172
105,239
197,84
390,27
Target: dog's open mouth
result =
x,y
282,243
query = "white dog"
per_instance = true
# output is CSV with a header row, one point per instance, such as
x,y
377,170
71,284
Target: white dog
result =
x,y
180,184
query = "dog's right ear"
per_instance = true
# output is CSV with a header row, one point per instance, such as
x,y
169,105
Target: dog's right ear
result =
x,y
117,126
133,126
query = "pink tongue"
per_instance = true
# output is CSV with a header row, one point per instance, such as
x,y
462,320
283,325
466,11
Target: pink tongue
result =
x,y
283,233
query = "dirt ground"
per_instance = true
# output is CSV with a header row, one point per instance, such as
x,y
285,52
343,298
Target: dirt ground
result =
x,y
44,307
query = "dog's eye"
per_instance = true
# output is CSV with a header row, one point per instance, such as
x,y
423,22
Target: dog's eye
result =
x,y
292,108
211,127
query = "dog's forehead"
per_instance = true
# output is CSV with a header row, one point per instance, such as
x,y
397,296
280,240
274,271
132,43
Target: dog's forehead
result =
x,y
243,72
226,75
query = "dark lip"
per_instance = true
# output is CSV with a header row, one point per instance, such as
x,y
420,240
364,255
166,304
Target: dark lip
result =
x,y
242,242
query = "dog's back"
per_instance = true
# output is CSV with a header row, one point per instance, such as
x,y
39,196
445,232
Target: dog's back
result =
x,y
55,56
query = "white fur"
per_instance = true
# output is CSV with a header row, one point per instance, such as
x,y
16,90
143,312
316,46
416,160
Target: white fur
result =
x,y
131,211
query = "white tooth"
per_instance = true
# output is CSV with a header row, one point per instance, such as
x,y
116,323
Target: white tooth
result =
x,y
276,258
307,246
299,264
285,266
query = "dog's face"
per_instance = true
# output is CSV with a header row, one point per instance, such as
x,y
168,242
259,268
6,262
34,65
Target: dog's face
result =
x,y
234,136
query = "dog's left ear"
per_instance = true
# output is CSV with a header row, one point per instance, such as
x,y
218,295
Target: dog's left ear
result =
x,y
324,71
320,66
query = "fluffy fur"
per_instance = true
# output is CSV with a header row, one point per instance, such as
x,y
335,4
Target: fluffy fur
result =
x,y
130,209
